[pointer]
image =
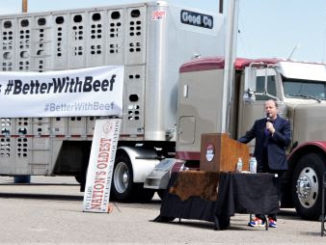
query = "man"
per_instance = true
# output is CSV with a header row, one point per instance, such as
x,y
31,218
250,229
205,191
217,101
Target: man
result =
x,y
273,136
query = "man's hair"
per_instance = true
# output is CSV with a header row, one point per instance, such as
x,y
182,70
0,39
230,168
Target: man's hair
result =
x,y
275,102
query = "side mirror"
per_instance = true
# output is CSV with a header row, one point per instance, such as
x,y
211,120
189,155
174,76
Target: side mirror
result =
x,y
249,96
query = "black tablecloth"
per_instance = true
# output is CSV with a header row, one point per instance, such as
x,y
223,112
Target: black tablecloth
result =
x,y
237,193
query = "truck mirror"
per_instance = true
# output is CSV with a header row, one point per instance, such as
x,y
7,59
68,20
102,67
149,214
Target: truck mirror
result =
x,y
249,96
250,79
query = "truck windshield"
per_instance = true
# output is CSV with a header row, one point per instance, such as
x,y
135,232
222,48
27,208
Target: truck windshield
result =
x,y
294,88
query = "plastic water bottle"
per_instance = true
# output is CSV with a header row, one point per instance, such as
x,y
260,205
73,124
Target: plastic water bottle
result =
x,y
253,165
239,165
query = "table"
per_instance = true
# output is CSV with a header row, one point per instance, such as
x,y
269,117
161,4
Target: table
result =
x,y
189,198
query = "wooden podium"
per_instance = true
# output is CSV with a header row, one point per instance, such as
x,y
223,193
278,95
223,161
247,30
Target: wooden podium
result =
x,y
220,153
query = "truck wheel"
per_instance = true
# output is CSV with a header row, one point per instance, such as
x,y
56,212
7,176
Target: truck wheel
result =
x,y
161,193
78,178
307,186
122,181
141,194
22,179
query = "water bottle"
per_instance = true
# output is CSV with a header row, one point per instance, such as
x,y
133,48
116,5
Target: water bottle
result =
x,y
253,165
239,165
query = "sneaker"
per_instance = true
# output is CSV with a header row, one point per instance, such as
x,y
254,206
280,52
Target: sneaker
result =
x,y
256,222
271,223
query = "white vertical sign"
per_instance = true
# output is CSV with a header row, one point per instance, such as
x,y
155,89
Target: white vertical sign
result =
x,y
100,167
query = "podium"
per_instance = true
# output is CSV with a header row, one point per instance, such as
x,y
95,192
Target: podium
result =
x,y
220,153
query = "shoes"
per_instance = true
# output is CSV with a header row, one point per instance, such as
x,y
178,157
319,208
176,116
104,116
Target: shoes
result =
x,y
256,222
271,223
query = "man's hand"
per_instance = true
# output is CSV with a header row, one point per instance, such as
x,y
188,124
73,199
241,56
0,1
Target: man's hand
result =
x,y
270,127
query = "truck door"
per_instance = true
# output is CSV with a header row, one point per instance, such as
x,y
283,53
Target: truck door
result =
x,y
259,85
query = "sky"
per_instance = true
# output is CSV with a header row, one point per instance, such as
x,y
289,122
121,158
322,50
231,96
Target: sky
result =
x,y
293,29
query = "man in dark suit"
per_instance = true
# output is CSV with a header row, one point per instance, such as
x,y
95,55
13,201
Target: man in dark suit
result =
x,y
273,136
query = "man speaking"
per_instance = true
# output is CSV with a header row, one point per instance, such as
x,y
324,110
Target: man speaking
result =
x,y
273,136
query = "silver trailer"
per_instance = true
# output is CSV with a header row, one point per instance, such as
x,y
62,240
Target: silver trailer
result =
x,y
150,39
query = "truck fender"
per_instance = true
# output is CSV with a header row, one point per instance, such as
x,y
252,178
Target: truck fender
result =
x,y
143,161
300,150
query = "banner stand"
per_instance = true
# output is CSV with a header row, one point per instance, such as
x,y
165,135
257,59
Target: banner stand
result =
x,y
100,167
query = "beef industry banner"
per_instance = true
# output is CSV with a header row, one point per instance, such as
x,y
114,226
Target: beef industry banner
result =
x,y
93,91
100,167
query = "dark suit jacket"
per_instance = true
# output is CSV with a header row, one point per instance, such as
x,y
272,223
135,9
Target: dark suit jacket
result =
x,y
276,144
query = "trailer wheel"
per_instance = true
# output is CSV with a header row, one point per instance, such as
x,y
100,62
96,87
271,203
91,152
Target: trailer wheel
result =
x,y
122,181
22,179
307,186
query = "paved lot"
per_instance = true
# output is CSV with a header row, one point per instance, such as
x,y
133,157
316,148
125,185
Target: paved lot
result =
x,y
48,211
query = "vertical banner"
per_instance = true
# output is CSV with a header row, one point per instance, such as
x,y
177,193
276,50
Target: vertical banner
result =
x,y
100,167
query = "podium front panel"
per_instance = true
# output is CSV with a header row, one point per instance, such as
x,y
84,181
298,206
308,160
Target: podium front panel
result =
x,y
220,153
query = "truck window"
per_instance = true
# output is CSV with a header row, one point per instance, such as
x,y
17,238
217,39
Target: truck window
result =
x,y
294,88
260,87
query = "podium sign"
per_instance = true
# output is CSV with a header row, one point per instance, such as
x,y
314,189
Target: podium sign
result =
x,y
220,153
100,167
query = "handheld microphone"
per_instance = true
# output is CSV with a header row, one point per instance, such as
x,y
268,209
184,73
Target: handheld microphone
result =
x,y
269,117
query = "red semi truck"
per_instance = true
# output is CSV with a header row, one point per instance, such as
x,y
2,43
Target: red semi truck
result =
x,y
299,88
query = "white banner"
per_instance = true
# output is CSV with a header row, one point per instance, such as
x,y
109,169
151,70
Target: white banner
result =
x,y
82,92
100,167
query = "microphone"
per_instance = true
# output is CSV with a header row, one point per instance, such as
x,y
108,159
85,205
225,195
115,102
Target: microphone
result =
x,y
268,117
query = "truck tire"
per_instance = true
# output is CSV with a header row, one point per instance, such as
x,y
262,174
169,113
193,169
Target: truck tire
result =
x,y
122,181
22,179
78,178
161,193
307,186
142,195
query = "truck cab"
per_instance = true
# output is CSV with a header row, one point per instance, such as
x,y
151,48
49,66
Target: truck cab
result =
x,y
300,90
